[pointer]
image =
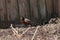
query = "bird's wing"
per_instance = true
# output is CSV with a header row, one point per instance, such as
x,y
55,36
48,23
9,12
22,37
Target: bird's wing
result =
x,y
26,20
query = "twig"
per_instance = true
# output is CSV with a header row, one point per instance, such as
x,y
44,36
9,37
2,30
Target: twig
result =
x,y
35,32
15,31
25,31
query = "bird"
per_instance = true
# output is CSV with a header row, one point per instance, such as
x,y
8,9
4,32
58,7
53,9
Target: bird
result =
x,y
25,21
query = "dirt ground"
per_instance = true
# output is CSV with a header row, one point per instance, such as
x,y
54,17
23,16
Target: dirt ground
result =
x,y
46,32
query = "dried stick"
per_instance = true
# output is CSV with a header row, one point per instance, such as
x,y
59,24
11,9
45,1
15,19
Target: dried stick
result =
x,y
35,32
15,31
25,31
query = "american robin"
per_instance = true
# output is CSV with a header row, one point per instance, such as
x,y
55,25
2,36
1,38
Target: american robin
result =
x,y
25,21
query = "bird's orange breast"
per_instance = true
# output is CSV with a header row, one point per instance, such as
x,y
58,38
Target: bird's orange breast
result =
x,y
25,23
